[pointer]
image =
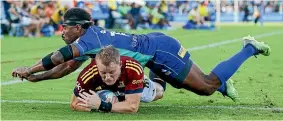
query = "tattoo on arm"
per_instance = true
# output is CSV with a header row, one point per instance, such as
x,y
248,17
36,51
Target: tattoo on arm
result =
x,y
59,71
36,67
51,61
57,58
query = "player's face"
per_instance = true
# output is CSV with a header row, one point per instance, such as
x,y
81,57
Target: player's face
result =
x,y
109,74
70,33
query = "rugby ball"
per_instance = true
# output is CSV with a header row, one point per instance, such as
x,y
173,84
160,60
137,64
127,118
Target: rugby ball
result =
x,y
107,96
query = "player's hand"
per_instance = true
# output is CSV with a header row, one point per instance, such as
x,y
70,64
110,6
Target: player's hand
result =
x,y
21,72
91,100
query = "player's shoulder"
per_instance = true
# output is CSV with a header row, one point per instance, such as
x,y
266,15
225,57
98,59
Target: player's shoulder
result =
x,y
96,29
90,71
91,32
131,65
127,59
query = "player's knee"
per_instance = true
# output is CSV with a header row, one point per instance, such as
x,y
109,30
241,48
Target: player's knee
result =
x,y
159,91
158,96
157,79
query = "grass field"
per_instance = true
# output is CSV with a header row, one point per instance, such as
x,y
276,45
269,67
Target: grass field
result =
x,y
259,81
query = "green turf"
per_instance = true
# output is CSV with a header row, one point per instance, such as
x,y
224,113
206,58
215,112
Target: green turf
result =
x,y
258,81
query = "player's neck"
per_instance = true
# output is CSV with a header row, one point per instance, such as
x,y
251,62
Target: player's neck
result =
x,y
83,32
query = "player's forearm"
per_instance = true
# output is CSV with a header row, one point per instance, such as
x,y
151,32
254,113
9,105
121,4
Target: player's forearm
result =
x,y
36,68
125,107
130,105
59,71
64,54
47,63
55,73
76,107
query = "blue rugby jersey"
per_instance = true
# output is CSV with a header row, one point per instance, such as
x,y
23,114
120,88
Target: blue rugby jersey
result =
x,y
138,47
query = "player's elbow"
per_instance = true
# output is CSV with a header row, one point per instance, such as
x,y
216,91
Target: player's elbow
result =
x,y
73,65
133,108
74,106
57,58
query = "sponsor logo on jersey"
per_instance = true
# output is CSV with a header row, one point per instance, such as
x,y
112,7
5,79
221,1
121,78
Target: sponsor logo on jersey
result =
x,y
137,81
135,41
182,52
98,88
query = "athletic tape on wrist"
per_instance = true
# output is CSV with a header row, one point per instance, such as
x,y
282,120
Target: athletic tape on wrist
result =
x,y
105,106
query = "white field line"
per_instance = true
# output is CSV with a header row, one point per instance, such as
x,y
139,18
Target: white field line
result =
x,y
225,42
15,81
147,105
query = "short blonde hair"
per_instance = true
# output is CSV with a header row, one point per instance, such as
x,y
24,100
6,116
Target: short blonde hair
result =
x,y
108,55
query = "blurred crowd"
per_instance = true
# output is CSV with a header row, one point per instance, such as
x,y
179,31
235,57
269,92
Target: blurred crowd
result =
x,y
31,18
129,14
34,18
244,5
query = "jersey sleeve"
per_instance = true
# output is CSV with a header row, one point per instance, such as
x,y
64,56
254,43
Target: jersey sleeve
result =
x,y
135,77
89,42
81,46
86,79
81,58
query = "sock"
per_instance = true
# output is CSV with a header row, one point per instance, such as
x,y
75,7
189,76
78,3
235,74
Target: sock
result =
x,y
153,77
227,68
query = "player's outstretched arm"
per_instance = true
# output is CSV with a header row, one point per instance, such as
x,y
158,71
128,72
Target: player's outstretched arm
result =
x,y
48,62
130,105
56,72
92,101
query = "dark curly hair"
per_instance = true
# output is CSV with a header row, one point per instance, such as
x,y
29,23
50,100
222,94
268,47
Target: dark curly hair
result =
x,y
78,14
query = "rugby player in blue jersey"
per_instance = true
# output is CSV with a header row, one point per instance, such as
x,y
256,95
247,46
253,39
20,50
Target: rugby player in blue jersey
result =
x,y
162,54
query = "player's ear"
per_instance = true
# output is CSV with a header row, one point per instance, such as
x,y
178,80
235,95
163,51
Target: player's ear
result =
x,y
78,27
